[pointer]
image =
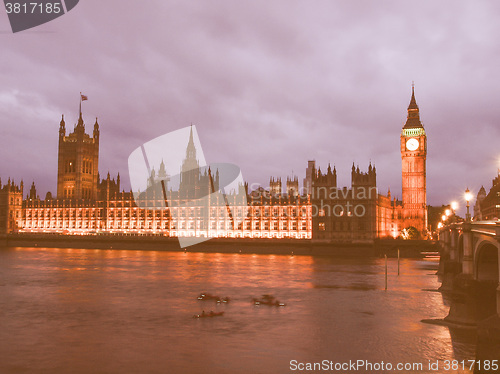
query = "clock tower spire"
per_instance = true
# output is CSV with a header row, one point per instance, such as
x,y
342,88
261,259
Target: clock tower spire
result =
x,y
413,119
413,156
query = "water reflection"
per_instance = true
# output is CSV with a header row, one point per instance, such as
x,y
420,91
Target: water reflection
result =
x,y
113,311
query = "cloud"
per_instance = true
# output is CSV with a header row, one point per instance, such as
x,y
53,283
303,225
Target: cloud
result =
x,y
269,85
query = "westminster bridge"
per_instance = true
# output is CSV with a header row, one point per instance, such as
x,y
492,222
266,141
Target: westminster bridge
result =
x,y
469,270
470,253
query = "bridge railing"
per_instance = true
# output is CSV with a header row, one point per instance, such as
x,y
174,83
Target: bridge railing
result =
x,y
485,227
482,227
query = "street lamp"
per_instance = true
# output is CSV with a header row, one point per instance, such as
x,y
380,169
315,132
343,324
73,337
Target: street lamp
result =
x,y
468,198
447,212
454,207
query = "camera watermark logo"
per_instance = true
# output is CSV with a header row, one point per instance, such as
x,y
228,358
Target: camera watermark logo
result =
x,y
179,193
26,14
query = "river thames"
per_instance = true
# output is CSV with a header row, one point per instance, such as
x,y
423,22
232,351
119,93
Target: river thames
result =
x,y
113,311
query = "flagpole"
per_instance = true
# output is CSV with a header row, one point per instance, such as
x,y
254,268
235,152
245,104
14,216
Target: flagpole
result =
x,y
80,104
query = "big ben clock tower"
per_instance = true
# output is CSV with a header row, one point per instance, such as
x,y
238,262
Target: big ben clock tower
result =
x,y
413,155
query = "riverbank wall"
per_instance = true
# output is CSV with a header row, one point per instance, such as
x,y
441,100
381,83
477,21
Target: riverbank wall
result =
x,y
377,248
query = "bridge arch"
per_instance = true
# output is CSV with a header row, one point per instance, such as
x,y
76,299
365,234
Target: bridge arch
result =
x,y
486,261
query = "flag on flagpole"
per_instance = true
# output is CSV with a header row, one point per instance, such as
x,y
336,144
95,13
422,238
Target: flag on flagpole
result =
x,y
84,97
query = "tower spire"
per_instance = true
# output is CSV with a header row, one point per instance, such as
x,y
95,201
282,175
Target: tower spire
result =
x,y
413,102
413,119
191,149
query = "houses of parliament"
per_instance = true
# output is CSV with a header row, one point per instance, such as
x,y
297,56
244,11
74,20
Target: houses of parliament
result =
x,y
86,203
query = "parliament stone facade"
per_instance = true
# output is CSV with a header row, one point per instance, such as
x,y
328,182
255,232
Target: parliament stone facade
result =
x,y
86,204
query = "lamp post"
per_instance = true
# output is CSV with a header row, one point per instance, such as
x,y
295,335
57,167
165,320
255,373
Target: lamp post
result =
x,y
467,245
439,227
468,198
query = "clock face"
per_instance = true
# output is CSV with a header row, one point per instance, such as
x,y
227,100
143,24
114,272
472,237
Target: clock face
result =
x,y
412,144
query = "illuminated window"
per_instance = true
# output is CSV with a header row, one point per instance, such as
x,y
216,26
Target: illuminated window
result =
x,y
321,226
321,212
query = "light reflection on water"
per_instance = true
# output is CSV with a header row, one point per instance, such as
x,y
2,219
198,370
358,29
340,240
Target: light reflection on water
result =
x,y
115,311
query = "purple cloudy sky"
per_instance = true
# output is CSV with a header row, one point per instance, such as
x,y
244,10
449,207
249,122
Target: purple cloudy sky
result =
x,y
269,84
